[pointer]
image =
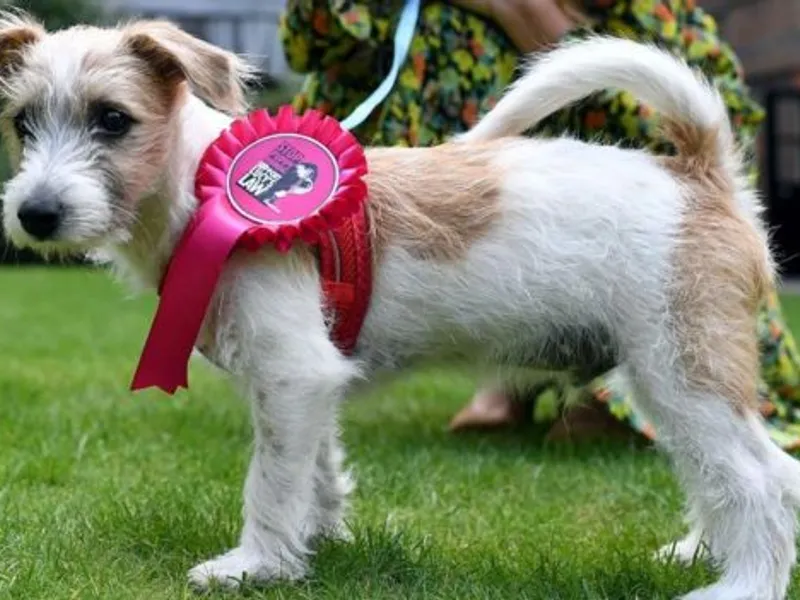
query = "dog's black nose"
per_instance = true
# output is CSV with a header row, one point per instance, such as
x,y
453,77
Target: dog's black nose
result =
x,y
41,215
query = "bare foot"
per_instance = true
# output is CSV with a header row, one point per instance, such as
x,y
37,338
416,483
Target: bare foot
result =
x,y
489,409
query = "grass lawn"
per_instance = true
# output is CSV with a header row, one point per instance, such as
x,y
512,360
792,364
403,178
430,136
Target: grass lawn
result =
x,y
111,495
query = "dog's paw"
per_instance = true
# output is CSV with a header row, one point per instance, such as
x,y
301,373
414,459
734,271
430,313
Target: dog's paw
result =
x,y
685,552
241,566
337,532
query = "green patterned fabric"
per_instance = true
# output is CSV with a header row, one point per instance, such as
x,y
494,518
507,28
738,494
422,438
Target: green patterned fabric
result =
x,y
460,63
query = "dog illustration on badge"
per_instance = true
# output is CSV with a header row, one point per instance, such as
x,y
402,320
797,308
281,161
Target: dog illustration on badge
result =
x,y
282,178
298,180
267,185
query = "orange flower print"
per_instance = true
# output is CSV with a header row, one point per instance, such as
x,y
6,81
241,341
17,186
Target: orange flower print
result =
x,y
320,22
663,12
419,65
476,47
595,119
470,112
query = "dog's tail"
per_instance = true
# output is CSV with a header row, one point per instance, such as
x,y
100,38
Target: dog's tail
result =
x,y
695,117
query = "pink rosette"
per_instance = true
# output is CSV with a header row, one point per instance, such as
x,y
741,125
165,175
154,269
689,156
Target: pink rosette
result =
x,y
337,195
263,180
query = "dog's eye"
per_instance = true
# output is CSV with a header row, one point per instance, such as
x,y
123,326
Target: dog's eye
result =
x,y
22,125
112,122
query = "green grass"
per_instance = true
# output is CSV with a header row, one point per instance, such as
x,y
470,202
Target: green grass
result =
x,y
111,495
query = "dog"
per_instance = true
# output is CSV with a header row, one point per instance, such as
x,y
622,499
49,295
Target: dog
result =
x,y
269,186
492,247
297,181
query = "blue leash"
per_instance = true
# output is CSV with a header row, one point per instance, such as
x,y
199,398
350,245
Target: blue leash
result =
x,y
402,43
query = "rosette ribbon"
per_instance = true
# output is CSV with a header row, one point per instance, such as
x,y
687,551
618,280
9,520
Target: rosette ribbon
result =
x,y
265,180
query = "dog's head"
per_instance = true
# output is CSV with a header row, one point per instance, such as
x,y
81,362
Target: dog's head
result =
x,y
306,176
89,116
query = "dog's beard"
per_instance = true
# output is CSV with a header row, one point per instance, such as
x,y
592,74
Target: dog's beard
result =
x,y
94,211
92,215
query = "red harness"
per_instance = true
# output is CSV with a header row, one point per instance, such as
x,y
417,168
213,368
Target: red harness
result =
x,y
345,263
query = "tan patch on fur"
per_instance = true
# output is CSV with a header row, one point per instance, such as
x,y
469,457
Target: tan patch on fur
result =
x,y
164,69
16,32
723,275
433,202
698,156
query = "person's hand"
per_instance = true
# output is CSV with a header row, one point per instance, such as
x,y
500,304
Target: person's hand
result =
x,y
531,24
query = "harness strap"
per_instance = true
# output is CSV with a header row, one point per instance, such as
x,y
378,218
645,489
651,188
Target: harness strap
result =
x,y
345,260
345,255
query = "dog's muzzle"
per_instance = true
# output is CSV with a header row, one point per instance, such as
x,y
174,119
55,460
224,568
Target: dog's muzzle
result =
x,y
41,215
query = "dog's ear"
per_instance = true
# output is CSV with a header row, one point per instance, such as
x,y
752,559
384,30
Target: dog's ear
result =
x,y
17,32
215,75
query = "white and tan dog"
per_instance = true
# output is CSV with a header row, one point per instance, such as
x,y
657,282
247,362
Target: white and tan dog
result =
x,y
492,247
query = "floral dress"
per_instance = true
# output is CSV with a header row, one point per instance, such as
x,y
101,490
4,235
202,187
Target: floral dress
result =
x,y
458,66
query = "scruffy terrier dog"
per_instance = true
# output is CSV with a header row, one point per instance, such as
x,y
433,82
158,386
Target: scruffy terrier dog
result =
x,y
492,246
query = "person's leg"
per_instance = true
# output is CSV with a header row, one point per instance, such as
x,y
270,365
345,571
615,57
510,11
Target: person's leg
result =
x,y
491,407
577,411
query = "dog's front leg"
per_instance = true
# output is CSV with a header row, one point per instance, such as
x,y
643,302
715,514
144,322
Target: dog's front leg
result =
x,y
294,419
296,378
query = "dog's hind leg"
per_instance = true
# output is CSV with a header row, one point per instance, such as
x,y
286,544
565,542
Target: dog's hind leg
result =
x,y
742,487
